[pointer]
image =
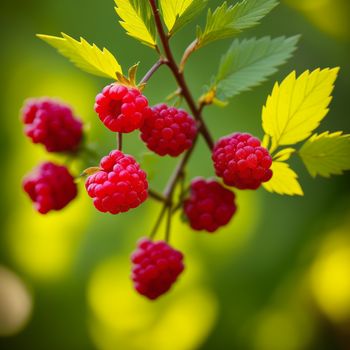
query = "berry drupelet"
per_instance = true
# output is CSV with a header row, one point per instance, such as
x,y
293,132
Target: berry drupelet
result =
x,y
120,184
121,108
52,124
50,187
156,266
209,206
241,161
168,130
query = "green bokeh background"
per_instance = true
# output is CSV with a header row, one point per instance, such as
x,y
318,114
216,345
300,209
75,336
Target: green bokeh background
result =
x,y
277,278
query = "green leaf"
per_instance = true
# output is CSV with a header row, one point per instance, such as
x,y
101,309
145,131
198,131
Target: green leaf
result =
x,y
297,106
178,13
250,12
137,20
284,180
227,21
326,154
84,55
248,63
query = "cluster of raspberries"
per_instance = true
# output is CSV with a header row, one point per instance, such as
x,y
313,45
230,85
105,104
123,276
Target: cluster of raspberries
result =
x,y
118,184
51,123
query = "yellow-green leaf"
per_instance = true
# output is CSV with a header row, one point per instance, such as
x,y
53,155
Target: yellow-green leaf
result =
x,y
284,180
84,55
297,106
137,20
177,13
326,154
284,154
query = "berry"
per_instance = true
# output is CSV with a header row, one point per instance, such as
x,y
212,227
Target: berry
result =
x,y
241,161
50,187
120,184
168,130
210,205
52,124
156,267
121,108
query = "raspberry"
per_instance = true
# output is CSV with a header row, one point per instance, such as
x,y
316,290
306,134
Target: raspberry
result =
x,y
121,108
52,124
120,184
168,130
241,161
209,206
156,267
50,187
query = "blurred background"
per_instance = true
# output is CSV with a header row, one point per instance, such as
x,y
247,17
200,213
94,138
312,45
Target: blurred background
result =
x,y
277,278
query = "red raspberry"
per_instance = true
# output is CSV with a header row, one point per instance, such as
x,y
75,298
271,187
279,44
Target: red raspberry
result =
x,y
168,130
210,205
121,108
241,161
52,124
120,184
156,267
50,187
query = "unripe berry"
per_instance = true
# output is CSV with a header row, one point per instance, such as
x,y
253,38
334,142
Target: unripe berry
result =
x,y
209,206
241,161
120,184
50,187
168,130
52,124
156,266
121,108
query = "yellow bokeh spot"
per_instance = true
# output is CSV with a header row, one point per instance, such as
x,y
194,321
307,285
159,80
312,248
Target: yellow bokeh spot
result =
x,y
331,16
180,320
281,329
330,277
45,246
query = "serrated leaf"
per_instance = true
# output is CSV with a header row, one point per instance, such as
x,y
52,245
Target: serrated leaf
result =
x,y
248,63
297,106
326,154
84,55
284,154
284,180
137,19
227,21
178,13
250,12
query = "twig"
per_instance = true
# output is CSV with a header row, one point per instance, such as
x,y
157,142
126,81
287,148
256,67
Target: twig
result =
x,y
157,196
120,141
152,70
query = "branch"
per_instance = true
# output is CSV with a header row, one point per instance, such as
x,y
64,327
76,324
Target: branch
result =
x,y
180,77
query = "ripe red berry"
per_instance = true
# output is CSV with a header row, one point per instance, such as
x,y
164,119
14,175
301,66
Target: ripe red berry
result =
x,y
168,130
120,184
52,124
241,161
50,187
209,206
156,266
121,108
